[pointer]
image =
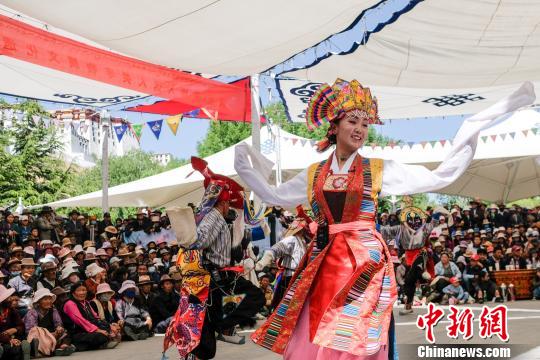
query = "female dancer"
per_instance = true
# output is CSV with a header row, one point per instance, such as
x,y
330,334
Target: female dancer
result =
x,y
339,302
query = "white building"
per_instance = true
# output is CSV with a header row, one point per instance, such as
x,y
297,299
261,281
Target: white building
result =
x,y
82,134
162,159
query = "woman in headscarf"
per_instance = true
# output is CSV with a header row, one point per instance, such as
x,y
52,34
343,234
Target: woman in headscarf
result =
x,y
339,303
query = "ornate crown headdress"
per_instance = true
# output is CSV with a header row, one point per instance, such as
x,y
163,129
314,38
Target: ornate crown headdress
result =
x,y
330,102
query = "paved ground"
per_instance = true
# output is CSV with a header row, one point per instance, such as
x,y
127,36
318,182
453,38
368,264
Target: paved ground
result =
x,y
523,323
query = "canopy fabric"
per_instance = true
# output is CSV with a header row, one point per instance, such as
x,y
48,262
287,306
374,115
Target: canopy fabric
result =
x,y
507,169
30,44
444,45
401,103
241,37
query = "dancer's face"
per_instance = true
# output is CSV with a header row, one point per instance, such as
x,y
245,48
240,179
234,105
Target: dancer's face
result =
x,y
352,131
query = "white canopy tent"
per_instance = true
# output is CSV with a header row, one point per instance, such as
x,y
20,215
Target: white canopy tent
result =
x,y
506,167
241,37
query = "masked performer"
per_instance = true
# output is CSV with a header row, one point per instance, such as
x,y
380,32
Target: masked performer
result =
x,y
412,235
339,302
209,276
289,252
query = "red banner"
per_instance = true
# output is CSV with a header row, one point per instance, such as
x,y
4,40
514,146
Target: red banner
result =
x,y
28,43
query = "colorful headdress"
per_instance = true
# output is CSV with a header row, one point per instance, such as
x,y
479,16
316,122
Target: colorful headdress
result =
x,y
330,102
217,188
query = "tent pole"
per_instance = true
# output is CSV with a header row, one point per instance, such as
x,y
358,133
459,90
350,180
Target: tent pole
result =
x,y
255,113
105,119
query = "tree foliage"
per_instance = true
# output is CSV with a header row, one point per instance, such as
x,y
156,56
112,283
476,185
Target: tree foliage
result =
x,y
222,135
31,166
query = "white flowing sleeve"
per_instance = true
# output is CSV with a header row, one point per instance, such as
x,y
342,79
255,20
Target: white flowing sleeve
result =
x,y
403,179
288,195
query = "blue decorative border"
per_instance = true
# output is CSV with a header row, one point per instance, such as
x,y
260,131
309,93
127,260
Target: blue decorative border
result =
x,y
325,45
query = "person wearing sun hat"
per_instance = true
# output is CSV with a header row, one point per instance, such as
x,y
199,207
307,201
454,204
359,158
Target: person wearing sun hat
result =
x,y
44,323
135,320
104,307
12,344
86,330
48,278
164,305
25,284
146,295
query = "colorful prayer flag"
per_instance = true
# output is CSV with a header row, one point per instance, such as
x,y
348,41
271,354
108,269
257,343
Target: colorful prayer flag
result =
x,y
174,122
137,130
155,126
120,131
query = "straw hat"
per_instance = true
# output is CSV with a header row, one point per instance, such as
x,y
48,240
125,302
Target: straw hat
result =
x,y
101,252
89,257
29,250
124,252
104,288
41,293
28,262
111,230
144,279
67,242
16,249
165,278
67,272
88,243
63,253
106,245
78,249
93,270
48,266
127,284
5,293
114,259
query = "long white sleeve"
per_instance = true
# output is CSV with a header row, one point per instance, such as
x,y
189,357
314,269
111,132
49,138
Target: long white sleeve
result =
x,y
402,179
288,195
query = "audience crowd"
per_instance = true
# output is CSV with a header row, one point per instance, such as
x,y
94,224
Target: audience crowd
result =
x,y
74,284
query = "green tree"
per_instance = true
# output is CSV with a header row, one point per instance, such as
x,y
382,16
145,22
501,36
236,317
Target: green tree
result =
x,y
222,135
31,166
276,113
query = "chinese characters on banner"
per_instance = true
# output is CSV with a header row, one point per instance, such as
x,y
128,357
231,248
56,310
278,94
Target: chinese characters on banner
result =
x,y
492,321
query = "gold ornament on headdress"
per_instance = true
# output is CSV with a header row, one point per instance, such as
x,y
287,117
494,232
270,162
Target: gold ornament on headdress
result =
x,y
410,210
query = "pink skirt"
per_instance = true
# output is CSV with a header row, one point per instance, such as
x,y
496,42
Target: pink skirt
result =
x,y
300,348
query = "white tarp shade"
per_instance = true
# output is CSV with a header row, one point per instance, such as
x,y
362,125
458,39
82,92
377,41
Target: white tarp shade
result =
x,y
401,103
20,78
446,45
490,176
240,37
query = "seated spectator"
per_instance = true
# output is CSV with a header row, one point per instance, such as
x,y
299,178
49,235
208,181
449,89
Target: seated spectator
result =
x,y
475,273
94,277
87,331
455,294
146,295
515,259
136,322
43,323
103,305
48,279
264,284
11,330
70,276
25,285
164,305
536,285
